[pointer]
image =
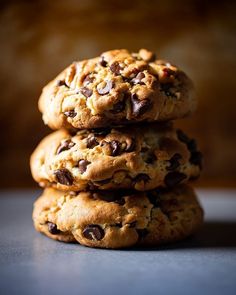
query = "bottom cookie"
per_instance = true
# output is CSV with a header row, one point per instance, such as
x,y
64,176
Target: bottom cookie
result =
x,y
118,219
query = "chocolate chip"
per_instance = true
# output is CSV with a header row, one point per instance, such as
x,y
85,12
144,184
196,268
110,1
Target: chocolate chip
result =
x,y
91,142
139,107
118,107
70,113
66,145
138,79
115,147
182,136
64,176
116,68
196,158
86,91
112,148
134,72
61,83
130,146
142,233
174,162
88,79
52,228
174,178
141,177
93,232
82,165
102,62
106,89
192,145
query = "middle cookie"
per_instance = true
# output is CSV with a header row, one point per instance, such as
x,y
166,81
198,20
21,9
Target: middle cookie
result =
x,y
140,157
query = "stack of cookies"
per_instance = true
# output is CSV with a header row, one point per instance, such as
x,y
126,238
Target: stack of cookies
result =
x,y
115,171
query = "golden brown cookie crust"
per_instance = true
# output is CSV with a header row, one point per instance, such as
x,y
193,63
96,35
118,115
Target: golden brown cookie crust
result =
x,y
118,87
140,157
118,219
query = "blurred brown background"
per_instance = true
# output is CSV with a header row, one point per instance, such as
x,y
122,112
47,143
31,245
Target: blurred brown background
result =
x,y
39,38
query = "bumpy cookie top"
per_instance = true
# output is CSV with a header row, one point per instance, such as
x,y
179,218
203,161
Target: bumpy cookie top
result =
x,y
116,88
140,157
115,219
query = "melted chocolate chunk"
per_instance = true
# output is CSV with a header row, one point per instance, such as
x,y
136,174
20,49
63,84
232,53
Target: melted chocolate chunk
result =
x,y
138,79
91,142
174,178
106,89
130,147
192,145
115,147
182,136
93,232
139,107
61,83
82,165
174,162
70,113
64,146
102,62
52,228
88,79
64,176
86,92
116,68
118,107
196,158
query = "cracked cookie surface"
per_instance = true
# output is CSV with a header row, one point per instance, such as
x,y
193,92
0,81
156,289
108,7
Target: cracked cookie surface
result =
x,y
109,219
140,157
117,88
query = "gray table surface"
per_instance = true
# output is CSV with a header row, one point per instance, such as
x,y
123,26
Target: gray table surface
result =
x,y
31,263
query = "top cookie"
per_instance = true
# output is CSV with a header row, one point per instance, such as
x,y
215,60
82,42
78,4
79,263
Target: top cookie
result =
x,y
117,88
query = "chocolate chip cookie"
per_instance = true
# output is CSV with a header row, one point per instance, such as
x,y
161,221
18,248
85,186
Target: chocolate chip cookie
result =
x,y
140,157
118,219
117,88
